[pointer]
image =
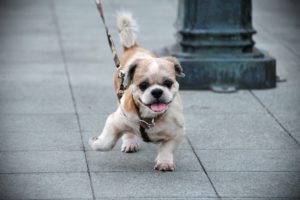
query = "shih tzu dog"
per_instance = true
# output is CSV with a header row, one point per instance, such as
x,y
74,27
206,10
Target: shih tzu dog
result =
x,y
150,106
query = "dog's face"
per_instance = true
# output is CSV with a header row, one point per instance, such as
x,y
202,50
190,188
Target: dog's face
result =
x,y
153,83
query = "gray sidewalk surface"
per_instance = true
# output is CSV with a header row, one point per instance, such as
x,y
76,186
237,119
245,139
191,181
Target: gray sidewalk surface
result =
x,y
56,91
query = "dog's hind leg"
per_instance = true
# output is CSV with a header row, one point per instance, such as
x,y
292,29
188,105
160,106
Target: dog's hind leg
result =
x,y
130,143
110,134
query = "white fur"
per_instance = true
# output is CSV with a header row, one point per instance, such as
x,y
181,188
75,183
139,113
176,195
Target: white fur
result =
x,y
154,67
127,29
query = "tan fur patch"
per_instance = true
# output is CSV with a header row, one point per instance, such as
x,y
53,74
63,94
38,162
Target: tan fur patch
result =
x,y
129,105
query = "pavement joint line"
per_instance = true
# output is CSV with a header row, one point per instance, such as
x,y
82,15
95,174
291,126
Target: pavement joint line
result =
x,y
203,168
269,198
256,171
263,197
274,117
62,52
61,172
156,197
99,172
57,199
146,150
71,114
142,171
39,150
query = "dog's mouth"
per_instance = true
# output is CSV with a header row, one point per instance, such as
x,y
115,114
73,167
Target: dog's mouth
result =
x,y
158,107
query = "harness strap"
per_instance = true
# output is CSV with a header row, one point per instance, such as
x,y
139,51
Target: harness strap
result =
x,y
145,123
112,46
144,135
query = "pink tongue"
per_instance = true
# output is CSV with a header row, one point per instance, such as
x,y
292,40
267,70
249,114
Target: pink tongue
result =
x,y
158,107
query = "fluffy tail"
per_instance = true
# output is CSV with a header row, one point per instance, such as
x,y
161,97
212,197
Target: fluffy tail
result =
x,y
127,29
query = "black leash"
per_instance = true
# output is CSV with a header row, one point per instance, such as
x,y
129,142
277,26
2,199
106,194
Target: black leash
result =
x,y
112,46
144,135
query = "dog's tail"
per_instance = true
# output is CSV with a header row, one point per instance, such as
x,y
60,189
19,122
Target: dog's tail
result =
x,y
127,29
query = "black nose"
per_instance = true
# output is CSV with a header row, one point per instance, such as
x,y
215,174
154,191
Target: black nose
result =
x,y
156,93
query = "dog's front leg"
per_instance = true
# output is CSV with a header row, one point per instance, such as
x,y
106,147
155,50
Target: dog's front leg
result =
x,y
130,143
110,134
164,159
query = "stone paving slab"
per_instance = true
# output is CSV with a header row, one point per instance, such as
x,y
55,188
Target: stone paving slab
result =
x,y
149,184
290,71
256,123
15,25
253,131
39,140
38,122
40,95
35,47
92,124
250,160
31,9
279,51
30,56
94,101
45,186
242,140
93,75
142,161
30,42
208,102
83,51
256,184
42,161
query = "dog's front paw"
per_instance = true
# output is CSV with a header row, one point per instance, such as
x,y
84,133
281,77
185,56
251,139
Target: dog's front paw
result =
x,y
130,147
99,144
92,142
165,166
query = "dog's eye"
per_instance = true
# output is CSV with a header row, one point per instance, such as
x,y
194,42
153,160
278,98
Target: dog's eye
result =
x,y
168,83
143,85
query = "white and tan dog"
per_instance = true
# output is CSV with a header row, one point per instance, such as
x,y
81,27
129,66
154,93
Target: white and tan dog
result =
x,y
150,107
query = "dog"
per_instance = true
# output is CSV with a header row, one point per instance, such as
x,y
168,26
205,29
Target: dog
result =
x,y
150,107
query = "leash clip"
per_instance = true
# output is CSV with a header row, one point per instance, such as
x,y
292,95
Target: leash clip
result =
x,y
121,74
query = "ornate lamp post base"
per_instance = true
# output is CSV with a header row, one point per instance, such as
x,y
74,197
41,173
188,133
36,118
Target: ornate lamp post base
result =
x,y
216,49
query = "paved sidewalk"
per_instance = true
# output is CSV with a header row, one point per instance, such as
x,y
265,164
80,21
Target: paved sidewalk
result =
x,y
56,91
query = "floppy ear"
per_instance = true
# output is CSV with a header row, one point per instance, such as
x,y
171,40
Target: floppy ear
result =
x,y
129,72
177,66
